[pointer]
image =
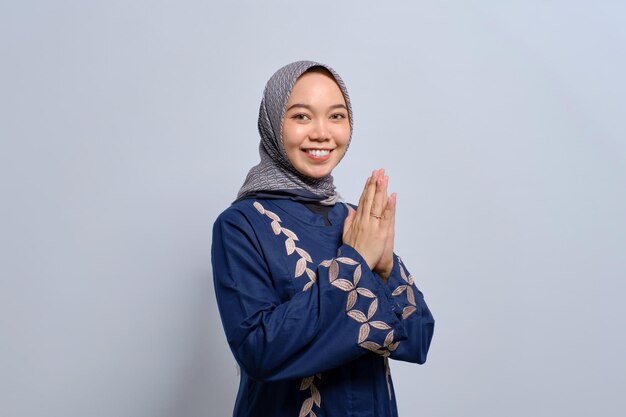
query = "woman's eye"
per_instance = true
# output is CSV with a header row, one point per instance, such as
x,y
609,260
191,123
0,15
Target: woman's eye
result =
x,y
337,116
301,117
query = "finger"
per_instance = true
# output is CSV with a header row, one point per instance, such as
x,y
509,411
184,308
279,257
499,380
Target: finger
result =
x,y
362,199
380,197
392,201
365,207
365,188
389,216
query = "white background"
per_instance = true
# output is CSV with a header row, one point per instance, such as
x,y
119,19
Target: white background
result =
x,y
126,127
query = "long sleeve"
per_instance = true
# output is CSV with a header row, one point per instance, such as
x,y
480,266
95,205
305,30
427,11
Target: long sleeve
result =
x,y
345,312
417,319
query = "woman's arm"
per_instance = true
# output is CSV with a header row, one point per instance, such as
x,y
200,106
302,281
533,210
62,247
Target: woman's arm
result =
x,y
347,312
416,317
371,229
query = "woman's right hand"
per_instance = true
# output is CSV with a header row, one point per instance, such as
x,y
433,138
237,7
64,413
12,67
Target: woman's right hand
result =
x,y
367,229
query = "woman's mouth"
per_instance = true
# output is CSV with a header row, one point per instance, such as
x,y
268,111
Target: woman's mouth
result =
x,y
318,154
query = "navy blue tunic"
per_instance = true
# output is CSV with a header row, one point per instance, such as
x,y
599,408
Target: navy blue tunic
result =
x,y
310,325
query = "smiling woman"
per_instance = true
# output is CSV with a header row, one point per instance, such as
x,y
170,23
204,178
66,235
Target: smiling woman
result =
x,y
312,297
316,128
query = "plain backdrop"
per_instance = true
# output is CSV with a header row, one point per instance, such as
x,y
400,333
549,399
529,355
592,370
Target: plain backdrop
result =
x,y
126,127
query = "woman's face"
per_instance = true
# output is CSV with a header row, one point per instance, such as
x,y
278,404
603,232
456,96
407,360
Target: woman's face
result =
x,y
316,128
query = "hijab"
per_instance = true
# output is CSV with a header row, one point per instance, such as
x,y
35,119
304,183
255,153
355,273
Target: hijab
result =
x,y
275,175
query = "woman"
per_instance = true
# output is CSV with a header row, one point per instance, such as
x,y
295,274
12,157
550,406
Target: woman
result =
x,y
312,298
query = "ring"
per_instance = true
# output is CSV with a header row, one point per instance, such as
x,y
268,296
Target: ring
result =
x,y
375,216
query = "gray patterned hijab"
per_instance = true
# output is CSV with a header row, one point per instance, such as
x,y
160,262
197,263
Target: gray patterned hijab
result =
x,y
275,173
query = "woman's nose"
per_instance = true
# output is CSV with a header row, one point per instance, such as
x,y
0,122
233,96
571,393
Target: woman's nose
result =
x,y
320,131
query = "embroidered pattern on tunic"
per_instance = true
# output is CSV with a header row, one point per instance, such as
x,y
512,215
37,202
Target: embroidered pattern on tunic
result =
x,y
301,267
410,295
353,290
290,246
307,406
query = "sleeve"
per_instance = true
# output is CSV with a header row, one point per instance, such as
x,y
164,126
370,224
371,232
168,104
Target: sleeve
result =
x,y
416,318
347,312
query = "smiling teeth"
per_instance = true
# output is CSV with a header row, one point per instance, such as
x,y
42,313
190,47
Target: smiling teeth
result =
x,y
318,152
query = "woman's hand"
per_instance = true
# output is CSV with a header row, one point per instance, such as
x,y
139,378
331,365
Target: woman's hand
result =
x,y
370,229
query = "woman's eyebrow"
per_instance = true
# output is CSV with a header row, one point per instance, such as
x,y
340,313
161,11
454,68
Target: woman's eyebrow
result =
x,y
338,106
306,106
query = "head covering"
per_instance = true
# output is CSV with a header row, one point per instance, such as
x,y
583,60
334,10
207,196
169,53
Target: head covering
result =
x,y
275,173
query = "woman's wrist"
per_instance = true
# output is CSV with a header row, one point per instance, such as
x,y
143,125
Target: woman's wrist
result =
x,y
364,254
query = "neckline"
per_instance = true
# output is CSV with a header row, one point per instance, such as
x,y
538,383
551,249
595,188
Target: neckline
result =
x,y
301,213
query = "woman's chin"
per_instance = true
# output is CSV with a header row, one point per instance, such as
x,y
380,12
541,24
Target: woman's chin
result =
x,y
315,173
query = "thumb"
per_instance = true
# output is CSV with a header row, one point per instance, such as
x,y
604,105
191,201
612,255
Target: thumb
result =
x,y
349,219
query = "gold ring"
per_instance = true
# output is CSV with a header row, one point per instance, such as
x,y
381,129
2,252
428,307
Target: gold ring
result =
x,y
375,216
